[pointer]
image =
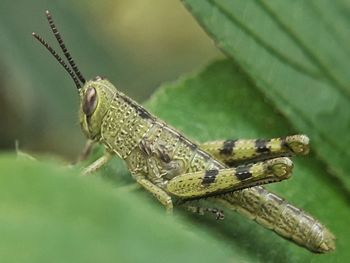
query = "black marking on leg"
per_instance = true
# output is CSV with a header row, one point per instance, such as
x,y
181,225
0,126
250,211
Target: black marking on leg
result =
x,y
209,176
227,148
243,172
261,146
284,144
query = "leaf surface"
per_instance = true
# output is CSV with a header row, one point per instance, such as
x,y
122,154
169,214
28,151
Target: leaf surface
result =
x,y
298,55
50,214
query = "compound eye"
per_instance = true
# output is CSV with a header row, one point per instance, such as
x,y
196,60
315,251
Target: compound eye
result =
x,y
90,101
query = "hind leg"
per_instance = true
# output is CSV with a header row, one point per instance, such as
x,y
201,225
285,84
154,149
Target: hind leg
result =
x,y
236,152
210,182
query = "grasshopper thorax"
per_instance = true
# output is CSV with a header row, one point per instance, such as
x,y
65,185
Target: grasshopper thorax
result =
x,y
95,99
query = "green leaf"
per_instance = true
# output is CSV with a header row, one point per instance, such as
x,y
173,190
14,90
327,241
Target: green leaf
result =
x,y
298,55
49,214
221,102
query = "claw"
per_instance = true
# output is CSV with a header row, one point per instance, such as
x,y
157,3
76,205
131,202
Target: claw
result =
x,y
220,215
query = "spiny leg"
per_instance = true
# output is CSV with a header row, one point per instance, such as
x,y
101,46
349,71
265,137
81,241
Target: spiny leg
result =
x,y
210,182
97,164
219,214
235,152
157,192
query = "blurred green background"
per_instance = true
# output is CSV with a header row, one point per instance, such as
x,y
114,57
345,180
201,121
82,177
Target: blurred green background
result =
x,y
286,72
136,44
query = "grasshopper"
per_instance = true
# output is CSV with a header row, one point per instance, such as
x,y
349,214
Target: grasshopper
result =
x,y
176,170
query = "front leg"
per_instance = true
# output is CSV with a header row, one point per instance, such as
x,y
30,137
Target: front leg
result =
x,y
157,192
97,164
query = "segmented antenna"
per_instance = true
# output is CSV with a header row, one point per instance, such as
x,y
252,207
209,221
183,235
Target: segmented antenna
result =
x,y
63,47
58,58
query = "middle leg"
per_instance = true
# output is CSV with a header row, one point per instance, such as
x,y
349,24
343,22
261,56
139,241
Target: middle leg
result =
x,y
202,210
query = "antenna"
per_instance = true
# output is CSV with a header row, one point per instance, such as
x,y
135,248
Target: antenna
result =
x,y
58,58
63,47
